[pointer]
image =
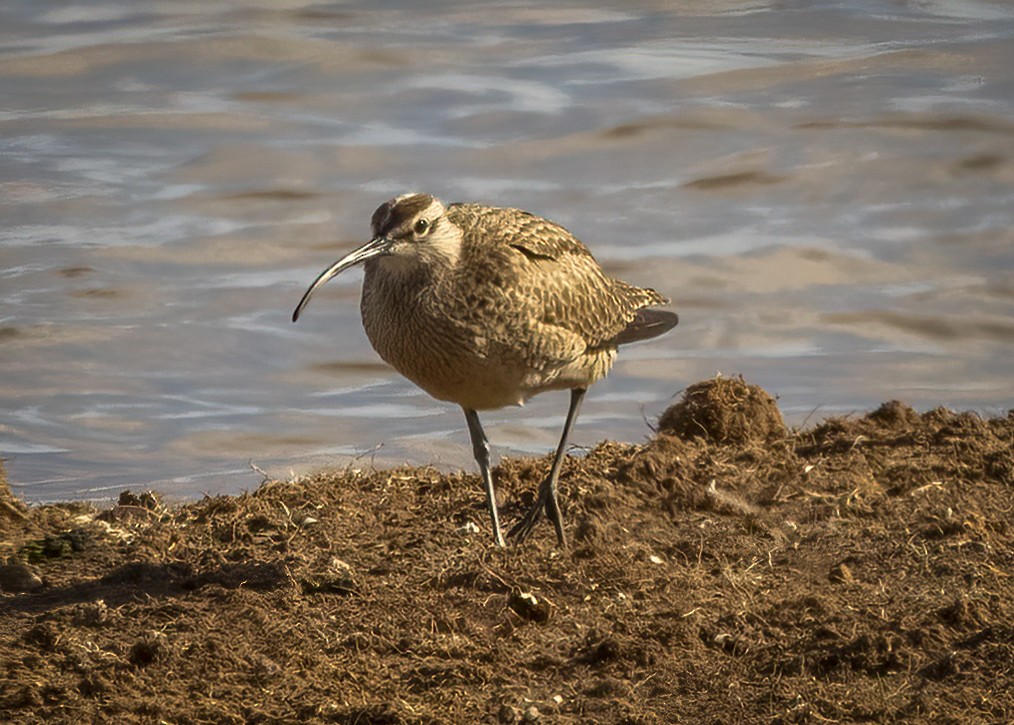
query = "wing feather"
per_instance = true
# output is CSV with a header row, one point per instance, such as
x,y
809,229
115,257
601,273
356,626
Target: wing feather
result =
x,y
540,276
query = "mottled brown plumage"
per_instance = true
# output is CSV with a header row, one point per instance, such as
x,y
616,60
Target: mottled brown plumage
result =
x,y
485,307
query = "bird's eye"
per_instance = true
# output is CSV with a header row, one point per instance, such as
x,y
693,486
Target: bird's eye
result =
x,y
421,226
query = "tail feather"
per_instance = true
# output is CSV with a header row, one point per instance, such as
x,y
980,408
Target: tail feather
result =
x,y
648,322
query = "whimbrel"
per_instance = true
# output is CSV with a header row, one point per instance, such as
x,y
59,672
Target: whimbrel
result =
x,y
485,307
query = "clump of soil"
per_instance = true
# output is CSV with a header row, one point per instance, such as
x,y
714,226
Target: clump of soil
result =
x,y
724,410
13,512
727,571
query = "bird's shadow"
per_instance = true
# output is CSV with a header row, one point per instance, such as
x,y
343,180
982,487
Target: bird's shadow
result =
x,y
138,581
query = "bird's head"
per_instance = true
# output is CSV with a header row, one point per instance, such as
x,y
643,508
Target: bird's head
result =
x,y
409,232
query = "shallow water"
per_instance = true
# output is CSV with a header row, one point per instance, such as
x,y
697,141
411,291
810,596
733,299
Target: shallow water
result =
x,y
826,192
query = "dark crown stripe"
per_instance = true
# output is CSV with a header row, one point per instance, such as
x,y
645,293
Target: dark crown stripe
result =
x,y
393,214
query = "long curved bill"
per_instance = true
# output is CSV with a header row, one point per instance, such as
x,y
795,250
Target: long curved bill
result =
x,y
376,247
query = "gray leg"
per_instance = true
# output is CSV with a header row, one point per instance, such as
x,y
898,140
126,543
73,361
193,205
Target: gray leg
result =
x,y
547,500
480,449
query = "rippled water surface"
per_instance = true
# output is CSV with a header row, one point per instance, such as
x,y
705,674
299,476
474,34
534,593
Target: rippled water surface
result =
x,y
826,191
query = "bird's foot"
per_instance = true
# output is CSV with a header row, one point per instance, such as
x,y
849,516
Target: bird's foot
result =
x,y
520,532
498,540
546,504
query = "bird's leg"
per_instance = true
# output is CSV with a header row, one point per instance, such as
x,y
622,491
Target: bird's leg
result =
x,y
547,501
480,449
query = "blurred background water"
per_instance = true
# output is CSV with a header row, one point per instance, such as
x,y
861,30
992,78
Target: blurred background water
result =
x,y
826,190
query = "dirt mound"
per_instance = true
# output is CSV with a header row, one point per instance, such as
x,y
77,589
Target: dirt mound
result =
x,y
13,512
724,410
856,571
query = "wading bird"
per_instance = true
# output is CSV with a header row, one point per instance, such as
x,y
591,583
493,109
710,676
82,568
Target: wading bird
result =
x,y
485,307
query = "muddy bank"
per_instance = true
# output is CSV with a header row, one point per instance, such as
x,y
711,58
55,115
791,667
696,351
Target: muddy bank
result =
x,y
730,570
